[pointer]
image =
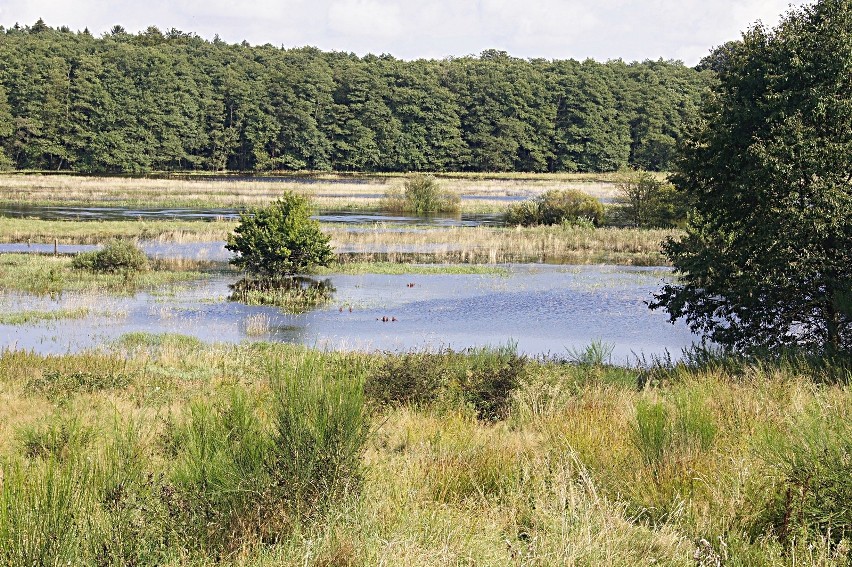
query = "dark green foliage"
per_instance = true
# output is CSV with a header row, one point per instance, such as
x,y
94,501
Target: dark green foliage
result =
x,y
557,207
422,195
644,201
412,378
171,100
115,256
221,482
766,264
483,378
321,427
280,240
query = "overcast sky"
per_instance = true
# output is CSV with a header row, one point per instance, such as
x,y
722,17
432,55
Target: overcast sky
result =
x,y
410,29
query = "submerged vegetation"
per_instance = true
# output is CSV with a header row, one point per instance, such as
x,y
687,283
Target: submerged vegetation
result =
x,y
264,454
293,295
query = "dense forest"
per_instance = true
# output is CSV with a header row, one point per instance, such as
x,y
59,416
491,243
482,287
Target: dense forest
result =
x,y
130,103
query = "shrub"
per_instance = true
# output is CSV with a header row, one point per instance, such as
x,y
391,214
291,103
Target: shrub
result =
x,y
280,240
483,378
557,207
652,433
321,427
115,256
220,476
645,202
810,494
422,195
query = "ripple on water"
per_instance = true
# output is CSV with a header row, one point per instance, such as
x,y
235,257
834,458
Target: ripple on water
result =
x,y
545,309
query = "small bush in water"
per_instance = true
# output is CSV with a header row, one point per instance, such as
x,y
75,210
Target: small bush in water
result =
x,y
557,207
422,195
115,256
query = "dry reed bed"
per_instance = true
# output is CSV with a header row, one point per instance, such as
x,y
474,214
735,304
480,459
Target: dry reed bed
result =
x,y
501,245
334,192
445,245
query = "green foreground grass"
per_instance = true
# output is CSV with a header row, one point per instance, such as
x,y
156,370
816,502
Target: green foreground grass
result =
x,y
170,452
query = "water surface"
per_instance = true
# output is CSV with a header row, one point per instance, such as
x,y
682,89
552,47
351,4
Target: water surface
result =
x,y
544,309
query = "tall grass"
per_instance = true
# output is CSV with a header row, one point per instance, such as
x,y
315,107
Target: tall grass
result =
x,y
321,427
259,455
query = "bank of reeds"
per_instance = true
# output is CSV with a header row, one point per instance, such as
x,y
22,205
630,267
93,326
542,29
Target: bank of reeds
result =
x,y
554,244
17,230
487,245
171,452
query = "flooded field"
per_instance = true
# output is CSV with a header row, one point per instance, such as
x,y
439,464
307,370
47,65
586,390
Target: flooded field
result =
x,y
90,213
546,310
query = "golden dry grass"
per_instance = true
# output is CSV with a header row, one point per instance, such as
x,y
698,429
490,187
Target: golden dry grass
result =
x,y
327,192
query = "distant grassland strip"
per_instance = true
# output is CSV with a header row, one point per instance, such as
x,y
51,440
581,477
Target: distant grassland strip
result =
x,y
95,232
326,191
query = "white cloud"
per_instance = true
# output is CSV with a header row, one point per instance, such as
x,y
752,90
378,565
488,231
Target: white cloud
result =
x,y
603,29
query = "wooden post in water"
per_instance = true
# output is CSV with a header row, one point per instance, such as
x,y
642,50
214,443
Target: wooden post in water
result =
x,y
56,247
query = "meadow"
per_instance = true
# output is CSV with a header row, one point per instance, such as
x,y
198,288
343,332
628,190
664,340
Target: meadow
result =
x,y
162,449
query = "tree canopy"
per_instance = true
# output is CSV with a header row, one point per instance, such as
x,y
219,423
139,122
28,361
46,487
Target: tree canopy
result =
x,y
169,100
767,261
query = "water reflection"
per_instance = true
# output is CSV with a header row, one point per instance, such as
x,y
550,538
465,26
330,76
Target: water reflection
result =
x,y
546,309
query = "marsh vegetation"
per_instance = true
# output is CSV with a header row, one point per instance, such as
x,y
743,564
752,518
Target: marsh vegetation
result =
x,y
181,453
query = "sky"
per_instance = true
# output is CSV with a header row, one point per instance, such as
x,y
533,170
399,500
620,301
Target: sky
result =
x,y
685,30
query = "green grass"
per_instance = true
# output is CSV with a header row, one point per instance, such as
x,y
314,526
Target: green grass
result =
x,y
48,275
168,451
22,230
28,317
395,269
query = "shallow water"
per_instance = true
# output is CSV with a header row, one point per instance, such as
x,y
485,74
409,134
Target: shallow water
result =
x,y
215,251
544,309
81,213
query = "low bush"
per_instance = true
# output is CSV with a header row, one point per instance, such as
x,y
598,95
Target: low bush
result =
x,y
220,479
557,207
483,378
320,432
115,256
57,385
279,240
645,202
58,438
422,195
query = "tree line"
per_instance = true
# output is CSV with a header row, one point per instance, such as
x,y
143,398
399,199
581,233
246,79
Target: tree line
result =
x,y
130,103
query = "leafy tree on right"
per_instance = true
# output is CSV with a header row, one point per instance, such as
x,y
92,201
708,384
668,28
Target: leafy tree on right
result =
x,y
766,264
